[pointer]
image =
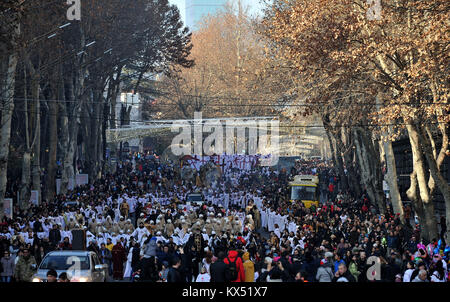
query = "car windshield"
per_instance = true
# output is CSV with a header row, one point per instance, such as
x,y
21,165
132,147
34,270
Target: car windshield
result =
x,y
303,193
65,263
194,198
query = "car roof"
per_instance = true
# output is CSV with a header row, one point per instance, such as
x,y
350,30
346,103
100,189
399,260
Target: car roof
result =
x,y
70,253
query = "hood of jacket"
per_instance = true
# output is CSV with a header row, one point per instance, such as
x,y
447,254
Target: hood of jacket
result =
x,y
151,248
232,255
246,256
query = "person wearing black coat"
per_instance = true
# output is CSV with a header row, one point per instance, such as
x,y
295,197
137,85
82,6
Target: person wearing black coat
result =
x,y
286,264
174,275
135,258
343,275
54,236
218,269
37,226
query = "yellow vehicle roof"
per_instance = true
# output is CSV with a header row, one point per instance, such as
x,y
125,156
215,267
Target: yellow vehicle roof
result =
x,y
305,180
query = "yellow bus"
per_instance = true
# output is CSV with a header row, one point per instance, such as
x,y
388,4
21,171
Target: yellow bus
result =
x,y
304,188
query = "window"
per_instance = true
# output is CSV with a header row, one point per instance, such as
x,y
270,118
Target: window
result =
x,y
64,263
303,193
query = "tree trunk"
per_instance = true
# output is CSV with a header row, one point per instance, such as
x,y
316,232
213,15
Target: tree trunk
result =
x,y
7,85
419,167
414,195
52,146
340,162
36,155
369,168
391,177
64,139
68,134
435,172
332,148
26,160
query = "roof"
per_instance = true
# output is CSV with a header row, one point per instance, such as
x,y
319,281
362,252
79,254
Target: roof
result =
x,y
305,180
70,253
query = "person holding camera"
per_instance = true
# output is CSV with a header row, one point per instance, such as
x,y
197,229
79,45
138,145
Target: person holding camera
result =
x,y
343,274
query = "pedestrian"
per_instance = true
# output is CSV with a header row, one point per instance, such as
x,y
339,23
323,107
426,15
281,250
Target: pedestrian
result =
x,y
52,276
25,268
106,257
421,277
325,271
174,275
249,268
235,270
118,258
343,274
63,277
203,276
7,265
219,269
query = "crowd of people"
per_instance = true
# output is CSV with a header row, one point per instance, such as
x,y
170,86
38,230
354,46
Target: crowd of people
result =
x,y
246,229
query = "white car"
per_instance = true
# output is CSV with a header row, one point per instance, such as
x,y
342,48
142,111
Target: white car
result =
x,y
80,266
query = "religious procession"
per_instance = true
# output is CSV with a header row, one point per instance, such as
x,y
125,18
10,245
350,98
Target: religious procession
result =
x,y
145,223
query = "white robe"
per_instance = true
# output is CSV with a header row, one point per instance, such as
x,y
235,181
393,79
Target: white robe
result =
x,y
270,221
127,272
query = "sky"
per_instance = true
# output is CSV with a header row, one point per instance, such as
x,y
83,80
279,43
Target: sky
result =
x,y
255,6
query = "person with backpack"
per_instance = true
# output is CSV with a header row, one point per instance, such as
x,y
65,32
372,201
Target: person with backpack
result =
x,y
325,271
235,270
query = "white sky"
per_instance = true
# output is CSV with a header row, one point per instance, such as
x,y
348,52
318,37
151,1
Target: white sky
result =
x,y
255,6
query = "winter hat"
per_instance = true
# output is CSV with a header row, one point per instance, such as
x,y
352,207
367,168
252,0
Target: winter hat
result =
x,y
328,255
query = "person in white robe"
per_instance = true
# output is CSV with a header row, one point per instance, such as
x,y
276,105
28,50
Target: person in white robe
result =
x,y
128,269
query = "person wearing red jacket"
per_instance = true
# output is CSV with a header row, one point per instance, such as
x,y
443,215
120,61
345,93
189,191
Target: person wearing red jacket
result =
x,y
233,257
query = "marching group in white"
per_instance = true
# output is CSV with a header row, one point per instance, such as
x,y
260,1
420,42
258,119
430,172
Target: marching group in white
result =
x,y
225,214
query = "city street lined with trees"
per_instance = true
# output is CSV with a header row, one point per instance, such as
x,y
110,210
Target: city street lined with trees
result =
x,y
370,79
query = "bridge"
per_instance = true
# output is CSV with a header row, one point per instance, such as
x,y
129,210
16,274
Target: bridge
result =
x,y
292,138
163,127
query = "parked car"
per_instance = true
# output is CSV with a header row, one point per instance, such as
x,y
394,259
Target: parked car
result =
x,y
80,266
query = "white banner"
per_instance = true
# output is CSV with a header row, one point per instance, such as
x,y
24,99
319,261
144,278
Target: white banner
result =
x,y
58,186
82,179
8,207
34,198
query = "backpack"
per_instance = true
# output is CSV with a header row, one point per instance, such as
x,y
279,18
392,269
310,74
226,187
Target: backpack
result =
x,y
329,271
231,272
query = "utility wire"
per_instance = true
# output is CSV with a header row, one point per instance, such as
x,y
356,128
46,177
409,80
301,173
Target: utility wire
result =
x,y
249,104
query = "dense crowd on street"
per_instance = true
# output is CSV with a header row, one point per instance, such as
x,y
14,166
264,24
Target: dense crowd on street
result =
x,y
138,223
